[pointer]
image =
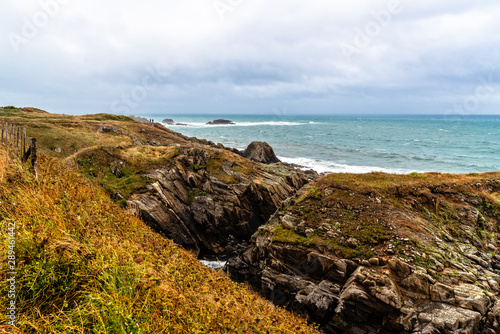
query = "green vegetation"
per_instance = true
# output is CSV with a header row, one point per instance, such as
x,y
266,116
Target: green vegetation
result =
x,y
283,235
86,266
314,193
121,171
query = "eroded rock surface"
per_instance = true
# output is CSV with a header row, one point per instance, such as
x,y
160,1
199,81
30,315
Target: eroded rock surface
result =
x,y
209,200
413,255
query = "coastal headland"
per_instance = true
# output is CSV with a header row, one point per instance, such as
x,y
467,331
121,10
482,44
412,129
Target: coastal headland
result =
x,y
352,253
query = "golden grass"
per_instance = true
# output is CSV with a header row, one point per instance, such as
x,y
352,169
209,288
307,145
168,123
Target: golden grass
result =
x,y
85,266
384,181
4,161
75,133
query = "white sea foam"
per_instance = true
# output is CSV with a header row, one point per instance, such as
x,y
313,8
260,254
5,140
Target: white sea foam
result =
x,y
323,166
213,264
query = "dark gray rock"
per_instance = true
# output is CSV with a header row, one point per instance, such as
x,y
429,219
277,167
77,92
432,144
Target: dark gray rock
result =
x,y
203,214
168,121
260,152
221,122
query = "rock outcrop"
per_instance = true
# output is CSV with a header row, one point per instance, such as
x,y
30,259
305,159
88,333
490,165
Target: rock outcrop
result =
x,y
221,122
386,254
260,152
209,200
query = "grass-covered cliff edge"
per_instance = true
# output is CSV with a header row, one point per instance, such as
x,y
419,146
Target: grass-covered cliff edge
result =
x,y
381,253
86,266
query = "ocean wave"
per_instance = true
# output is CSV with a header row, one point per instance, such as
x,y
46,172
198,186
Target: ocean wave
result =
x,y
323,166
243,124
213,264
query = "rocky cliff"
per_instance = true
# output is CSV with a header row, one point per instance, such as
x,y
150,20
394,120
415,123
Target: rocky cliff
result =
x,y
210,200
381,253
204,198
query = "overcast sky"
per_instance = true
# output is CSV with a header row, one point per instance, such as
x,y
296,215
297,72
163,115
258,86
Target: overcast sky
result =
x,y
251,56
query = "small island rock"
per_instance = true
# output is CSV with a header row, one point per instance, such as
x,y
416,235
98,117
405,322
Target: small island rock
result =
x,y
168,121
221,122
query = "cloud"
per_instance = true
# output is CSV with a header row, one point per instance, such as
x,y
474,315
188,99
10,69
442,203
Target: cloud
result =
x,y
242,56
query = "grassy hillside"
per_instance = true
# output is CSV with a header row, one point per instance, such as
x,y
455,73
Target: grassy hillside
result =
x,y
85,266
63,135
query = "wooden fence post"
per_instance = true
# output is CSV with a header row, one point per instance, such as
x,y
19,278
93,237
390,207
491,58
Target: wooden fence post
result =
x,y
14,128
23,152
11,128
14,139
19,141
7,134
16,143
33,157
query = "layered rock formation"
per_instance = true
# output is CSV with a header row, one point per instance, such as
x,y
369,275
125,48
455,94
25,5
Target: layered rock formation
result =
x,y
380,253
209,200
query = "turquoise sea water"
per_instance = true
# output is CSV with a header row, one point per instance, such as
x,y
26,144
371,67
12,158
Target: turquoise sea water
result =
x,y
357,144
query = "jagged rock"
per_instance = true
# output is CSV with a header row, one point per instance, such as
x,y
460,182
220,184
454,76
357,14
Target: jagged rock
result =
x,y
116,168
431,282
442,293
204,214
447,319
416,283
168,121
289,222
260,152
472,297
309,232
319,299
352,242
494,316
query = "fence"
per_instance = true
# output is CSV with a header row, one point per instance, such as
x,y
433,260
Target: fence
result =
x,y
17,144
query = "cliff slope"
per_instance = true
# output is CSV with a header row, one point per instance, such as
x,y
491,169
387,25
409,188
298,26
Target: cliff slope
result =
x,y
380,253
204,198
83,265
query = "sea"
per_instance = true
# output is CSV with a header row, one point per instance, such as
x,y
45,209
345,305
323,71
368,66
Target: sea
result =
x,y
360,144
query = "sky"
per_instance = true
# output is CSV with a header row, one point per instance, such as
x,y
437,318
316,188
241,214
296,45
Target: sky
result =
x,y
251,57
